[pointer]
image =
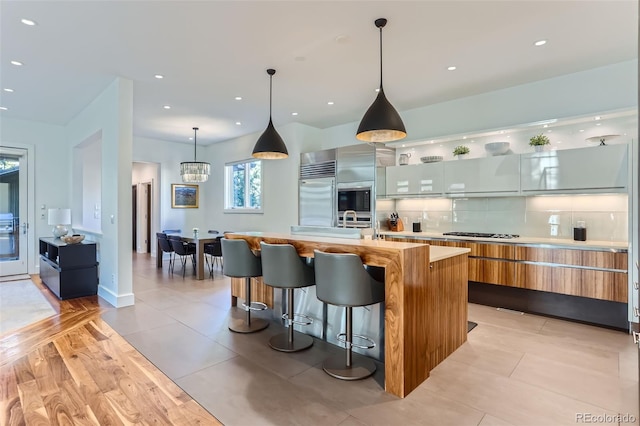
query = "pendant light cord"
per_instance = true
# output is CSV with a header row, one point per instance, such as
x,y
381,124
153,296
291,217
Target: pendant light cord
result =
x,y
195,138
270,94
380,58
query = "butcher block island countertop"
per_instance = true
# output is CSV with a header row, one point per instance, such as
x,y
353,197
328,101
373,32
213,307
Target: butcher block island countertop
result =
x,y
425,315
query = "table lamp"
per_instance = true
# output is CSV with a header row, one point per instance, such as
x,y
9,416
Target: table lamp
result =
x,y
59,218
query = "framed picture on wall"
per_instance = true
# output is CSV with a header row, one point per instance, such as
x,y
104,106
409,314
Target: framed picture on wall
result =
x,y
184,196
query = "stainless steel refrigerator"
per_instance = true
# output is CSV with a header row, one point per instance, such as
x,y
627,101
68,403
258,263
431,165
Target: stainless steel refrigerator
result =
x,y
317,202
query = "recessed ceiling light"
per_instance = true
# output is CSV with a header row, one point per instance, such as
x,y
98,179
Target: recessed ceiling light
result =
x,y
238,98
16,63
549,131
330,103
294,113
545,126
167,107
28,22
3,108
582,130
6,89
502,132
403,145
431,141
597,117
464,137
598,124
559,142
451,68
159,76
540,43
238,123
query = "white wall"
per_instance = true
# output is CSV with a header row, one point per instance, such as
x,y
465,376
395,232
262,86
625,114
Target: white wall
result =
x,y
112,114
280,182
601,89
51,171
167,156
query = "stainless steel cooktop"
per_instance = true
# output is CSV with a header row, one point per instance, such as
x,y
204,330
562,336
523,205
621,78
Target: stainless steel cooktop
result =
x,y
481,235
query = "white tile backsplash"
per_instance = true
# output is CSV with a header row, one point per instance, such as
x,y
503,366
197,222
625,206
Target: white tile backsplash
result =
x,y
606,216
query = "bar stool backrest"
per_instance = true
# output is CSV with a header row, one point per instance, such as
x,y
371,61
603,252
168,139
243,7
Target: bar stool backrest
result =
x,y
342,280
283,267
238,260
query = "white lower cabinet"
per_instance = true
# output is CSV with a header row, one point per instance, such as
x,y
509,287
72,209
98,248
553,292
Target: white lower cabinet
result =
x,y
591,169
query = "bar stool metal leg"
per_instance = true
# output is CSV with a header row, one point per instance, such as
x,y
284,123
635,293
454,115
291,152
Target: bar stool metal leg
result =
x,y
249,325
286,342
349,369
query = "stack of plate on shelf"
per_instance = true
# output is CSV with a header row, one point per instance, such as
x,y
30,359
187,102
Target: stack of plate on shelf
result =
x,y
431,159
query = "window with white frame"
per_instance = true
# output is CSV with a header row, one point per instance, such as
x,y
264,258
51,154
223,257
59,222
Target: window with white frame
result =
x,y
243,186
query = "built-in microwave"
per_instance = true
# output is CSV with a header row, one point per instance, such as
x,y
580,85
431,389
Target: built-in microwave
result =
x,y
355,197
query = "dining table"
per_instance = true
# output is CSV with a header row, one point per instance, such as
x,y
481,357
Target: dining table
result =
x,y
199,241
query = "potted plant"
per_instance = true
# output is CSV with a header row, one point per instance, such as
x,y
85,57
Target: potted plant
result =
x,y
460,151
539,141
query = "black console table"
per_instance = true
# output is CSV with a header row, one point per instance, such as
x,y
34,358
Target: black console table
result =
x,y
69,270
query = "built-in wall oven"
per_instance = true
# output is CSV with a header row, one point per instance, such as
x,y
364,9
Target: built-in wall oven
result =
x,y
356,199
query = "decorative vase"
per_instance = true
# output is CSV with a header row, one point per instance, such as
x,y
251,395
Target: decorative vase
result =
x,y
538,148
462,156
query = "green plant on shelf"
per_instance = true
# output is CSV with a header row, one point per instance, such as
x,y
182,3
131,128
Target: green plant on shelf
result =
x,y
460,150
539,140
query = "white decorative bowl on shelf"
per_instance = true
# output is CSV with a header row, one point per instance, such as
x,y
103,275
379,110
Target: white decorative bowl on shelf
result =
x,y
72,239
431,159
496,148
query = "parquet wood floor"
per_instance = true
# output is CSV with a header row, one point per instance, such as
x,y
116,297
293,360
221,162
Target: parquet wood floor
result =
x,y
73,369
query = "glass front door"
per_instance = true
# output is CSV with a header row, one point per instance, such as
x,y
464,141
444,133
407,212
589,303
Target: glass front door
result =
x,y
13,211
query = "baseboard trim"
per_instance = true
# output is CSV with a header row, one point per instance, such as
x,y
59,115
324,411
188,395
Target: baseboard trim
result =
x,y
116,300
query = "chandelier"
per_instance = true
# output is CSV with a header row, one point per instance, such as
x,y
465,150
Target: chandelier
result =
x,y
194,171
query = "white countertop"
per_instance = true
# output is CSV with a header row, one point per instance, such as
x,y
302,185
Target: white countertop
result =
x,y
556,242
437,253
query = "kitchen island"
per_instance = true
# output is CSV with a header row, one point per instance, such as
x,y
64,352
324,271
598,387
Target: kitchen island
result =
x,y
425,316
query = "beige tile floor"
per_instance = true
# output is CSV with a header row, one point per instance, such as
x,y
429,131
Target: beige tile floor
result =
x,y
514,369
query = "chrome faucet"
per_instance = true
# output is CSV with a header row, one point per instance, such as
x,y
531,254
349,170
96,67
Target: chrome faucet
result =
x,y
344,217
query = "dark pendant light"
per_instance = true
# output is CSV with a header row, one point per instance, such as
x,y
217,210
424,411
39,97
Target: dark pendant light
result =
x,y
270,145
381,122
194,171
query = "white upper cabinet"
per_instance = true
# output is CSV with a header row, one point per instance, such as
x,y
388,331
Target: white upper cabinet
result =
x,y
592,169
419,179
499,175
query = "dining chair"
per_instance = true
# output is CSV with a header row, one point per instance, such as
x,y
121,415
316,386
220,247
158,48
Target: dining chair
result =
x,y
183,250
213,250
166,247
172,231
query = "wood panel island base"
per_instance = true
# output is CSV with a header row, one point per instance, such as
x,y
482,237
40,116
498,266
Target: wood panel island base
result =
x,y
425,316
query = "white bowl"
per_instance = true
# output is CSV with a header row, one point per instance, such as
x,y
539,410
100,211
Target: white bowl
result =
x,y
496,148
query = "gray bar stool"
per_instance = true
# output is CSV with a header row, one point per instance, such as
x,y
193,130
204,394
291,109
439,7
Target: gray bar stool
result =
x,y
283,268
342,280
240,262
